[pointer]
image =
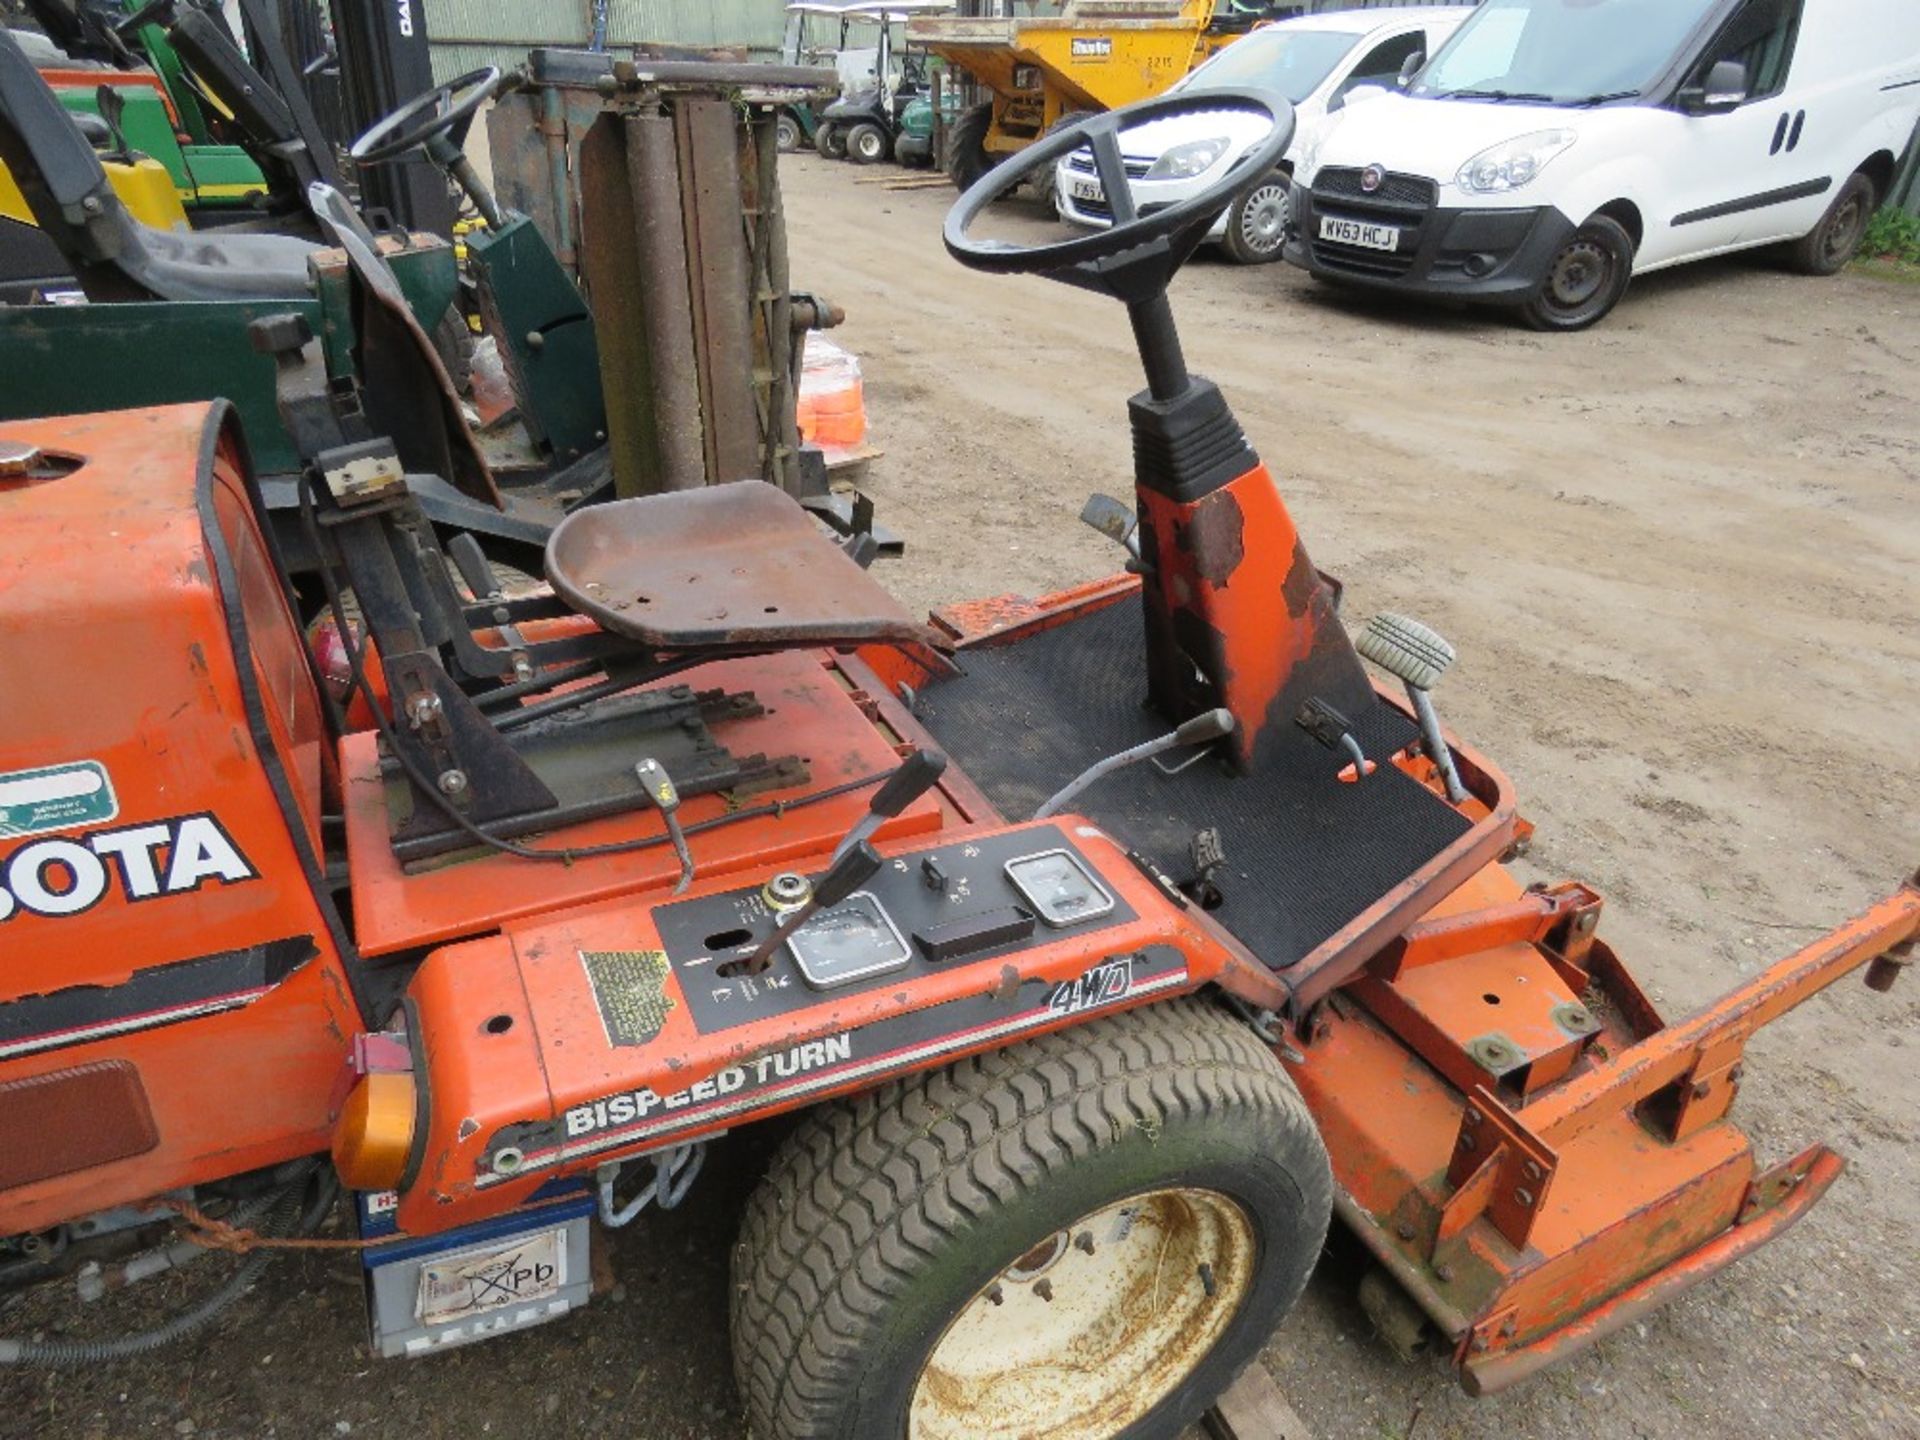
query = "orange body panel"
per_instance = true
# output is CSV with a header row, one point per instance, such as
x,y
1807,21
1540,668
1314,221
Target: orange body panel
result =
x,y
811,712
91,80
515,1039
120,651
1234,593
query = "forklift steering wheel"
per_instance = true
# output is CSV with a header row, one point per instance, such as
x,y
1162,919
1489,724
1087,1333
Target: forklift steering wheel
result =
x,y
1136,257
449,109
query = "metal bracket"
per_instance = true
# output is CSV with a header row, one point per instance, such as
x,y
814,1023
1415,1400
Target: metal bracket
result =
x,y
1705,1093
1770,1187
1500,1169
1494,1330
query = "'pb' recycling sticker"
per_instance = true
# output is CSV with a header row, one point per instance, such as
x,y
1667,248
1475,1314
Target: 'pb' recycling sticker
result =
x,y
60,797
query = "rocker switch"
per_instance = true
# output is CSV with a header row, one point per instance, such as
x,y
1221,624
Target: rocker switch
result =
x,y
935,877
970,934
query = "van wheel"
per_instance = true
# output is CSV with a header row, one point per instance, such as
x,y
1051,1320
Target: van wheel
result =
x,y
1257,223
1079,1238
830,141
867,144
1585,279
1829,246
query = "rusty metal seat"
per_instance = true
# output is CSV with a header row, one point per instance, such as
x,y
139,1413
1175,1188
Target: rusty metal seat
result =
x,y
729,567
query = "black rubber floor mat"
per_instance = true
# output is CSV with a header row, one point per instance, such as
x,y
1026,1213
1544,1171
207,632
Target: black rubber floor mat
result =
x,y
1305,852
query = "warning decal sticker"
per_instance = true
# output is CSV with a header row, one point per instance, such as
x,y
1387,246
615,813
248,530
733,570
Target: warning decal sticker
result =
x,y
630,987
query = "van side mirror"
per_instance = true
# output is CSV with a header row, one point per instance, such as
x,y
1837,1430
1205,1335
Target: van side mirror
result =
x,y
1410,67
1724,89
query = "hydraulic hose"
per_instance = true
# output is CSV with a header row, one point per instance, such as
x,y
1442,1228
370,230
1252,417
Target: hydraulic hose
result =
x,y
81,1354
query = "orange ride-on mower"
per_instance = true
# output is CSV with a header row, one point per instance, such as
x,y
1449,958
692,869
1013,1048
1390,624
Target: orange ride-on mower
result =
x,y
1106,946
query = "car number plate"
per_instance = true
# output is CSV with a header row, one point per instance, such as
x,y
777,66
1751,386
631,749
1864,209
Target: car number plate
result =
x,y
1358,232
531,1269
1086,190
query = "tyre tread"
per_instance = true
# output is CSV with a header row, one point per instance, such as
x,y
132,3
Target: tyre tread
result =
x,y
868,1189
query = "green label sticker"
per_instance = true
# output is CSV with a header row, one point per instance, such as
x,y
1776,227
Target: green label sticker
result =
x,y
60,797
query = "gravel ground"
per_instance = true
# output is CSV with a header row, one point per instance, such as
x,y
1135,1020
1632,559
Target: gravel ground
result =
x,y
1677,554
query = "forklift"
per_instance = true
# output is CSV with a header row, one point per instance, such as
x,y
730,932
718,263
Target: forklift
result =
x,y
1096,952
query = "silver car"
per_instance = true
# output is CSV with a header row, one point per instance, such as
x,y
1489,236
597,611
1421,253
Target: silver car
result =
x,y
1318,62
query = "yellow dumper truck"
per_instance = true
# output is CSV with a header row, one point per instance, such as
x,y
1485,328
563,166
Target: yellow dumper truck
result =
x,y
1043,72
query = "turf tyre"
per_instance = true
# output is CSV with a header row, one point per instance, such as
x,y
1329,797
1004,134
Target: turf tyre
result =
x,y
868,144
884,1216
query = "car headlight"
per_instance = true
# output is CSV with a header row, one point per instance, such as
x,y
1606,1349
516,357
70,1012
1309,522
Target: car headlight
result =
x,y
1189,159
1512,163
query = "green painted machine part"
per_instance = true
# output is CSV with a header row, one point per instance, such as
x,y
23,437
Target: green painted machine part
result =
x,y
429,277
70,359
208,175
552,360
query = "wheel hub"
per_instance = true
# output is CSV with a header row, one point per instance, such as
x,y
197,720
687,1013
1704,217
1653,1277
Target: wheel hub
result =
x,y
1839,237
1263,218
1093,1326
1578,273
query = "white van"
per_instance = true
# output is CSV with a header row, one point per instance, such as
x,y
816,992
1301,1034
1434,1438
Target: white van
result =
x,y
1554,148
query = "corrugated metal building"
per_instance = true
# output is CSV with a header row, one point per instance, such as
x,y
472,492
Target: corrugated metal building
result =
x,y
470,33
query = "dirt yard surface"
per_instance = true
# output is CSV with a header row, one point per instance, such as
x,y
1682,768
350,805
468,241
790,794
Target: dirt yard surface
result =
x,y
1678,555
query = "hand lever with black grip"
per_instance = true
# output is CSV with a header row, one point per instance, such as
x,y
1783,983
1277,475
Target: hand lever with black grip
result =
x,y
916,775
849,871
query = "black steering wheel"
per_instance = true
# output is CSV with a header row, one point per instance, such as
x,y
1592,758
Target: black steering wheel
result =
x,y
1135,258
448,110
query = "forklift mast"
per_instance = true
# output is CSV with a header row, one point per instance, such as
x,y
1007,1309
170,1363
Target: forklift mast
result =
x,y
384,63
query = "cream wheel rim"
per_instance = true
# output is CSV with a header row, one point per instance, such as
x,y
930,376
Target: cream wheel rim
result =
x,y
1094,1326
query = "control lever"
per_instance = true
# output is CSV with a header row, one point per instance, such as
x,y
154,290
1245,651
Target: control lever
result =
x,y
477,571
850,869
1335,731
915,776
471,561
666,796
1203,729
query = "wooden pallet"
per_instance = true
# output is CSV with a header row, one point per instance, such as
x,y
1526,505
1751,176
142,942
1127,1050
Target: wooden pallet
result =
x,y
1254,1409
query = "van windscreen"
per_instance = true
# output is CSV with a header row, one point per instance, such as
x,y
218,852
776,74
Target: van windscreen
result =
x,y
1561,52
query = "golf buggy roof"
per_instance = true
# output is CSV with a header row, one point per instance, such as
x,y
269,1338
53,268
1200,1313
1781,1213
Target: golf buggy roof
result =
x,y
872,11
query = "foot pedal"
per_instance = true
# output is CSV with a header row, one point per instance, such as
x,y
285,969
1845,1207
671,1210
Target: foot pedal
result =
x,y
1405,649
1114,520
1417,657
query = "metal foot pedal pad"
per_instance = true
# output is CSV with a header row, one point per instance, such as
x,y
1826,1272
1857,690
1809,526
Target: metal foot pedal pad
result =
x,y
1114,520
1405,649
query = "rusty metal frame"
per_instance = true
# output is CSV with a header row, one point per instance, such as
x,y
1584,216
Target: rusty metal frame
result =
x,y
1775,1202
1682,1050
